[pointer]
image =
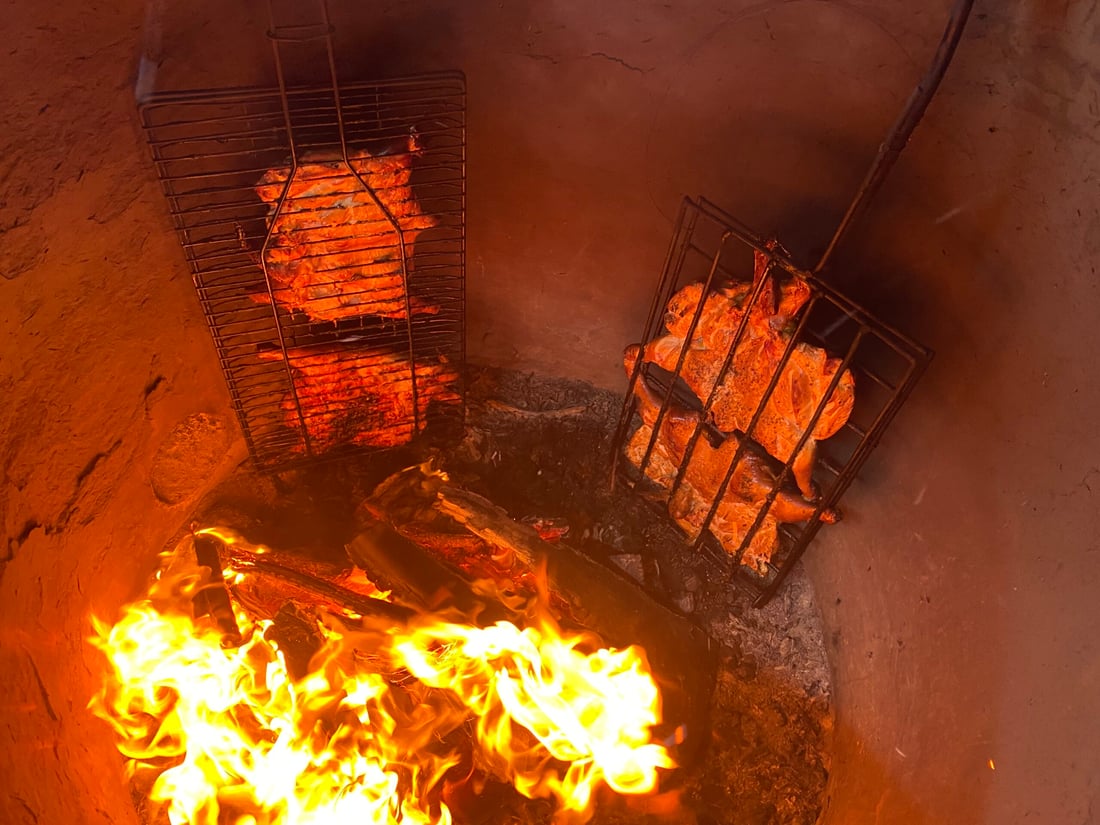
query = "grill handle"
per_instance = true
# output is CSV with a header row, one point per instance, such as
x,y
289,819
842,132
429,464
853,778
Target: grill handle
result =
x,y
902,130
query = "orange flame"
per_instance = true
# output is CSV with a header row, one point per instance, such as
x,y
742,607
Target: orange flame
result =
x,y
230,737
593,712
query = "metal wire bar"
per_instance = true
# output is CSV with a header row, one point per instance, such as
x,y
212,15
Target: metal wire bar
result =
x,y
788,464
302,33
750,429
723,372
665,404
673,263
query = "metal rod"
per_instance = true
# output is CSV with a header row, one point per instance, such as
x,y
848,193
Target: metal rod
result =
x,y
750,431
715,390
899,135
303,33
666,402
382,207
807,434
673,261
273,220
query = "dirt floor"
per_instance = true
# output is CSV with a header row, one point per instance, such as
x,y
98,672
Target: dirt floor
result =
x,y
539,448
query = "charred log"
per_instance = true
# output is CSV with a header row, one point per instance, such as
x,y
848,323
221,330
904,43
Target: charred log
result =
x,y
297,637
318,591
416,577
212,599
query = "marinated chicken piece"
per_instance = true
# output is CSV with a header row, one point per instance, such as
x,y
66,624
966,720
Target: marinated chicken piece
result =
x,y
752,481
779,300
721,310
334,252
363,397
775,306
731,521
803,383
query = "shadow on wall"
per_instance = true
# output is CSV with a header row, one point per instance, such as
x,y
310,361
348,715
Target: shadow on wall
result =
x,y
208,45
398,39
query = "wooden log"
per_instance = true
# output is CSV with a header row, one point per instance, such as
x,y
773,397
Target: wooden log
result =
x,y
417,577
490,523
296,633
494,406
245,561
600,599
212,599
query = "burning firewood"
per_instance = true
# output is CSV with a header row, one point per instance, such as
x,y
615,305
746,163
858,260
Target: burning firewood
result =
x,y
418,577
392,722
335,251
212,599
266,581
409,504
586,592
364,396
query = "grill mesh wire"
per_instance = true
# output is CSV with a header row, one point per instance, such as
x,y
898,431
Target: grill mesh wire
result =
x,y
713,248
288,373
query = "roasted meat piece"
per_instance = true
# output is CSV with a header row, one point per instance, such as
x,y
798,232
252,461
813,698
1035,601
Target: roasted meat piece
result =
x,y
363,396
803,383
752,482
334,252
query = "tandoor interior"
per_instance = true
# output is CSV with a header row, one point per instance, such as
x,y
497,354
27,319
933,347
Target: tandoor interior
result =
x,y
958,595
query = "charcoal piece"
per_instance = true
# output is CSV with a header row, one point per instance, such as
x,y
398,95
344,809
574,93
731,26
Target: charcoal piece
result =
x,y
297,638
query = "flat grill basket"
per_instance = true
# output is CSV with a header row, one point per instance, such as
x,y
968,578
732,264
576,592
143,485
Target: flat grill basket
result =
x,y
713,249
353,338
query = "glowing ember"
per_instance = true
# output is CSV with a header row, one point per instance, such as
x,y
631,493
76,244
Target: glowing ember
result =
x,y
225,735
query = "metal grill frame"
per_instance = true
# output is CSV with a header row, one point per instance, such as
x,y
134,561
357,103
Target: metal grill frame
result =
x,y
211,148
886,365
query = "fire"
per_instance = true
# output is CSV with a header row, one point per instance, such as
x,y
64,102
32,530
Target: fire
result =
x,y
372,734
592,712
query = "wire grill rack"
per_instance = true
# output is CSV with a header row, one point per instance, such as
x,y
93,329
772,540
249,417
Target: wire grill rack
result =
x,y
714,249
337,365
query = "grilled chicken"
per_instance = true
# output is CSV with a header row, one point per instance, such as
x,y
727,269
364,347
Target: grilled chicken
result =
x,y
752,481
363,397
334,252
803,383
